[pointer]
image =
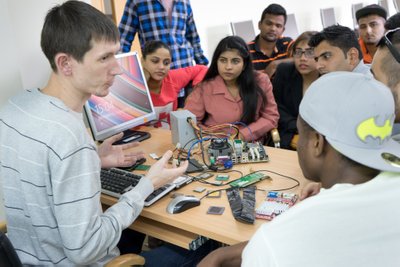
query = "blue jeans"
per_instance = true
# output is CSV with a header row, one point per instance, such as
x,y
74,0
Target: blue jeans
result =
x,y
169,255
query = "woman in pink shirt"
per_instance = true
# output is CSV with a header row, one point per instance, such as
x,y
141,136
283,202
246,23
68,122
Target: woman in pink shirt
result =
x,y
164,84
232,92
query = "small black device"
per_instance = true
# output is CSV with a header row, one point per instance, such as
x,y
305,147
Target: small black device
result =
x,y
194,166
132,136
219,147
215,210
134,166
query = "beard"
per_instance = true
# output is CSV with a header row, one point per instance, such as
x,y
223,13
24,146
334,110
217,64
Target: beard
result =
x,y
269,38
371,42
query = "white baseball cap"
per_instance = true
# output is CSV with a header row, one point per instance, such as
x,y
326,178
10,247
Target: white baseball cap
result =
x,y
355,113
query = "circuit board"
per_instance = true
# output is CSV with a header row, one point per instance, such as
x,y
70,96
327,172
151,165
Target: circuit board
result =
x,y
237,151
249,179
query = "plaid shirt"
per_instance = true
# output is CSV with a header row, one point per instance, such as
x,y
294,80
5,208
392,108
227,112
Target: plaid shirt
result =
x,y
150,19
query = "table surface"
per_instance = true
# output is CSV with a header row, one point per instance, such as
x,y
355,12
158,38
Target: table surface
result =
x,y
182,228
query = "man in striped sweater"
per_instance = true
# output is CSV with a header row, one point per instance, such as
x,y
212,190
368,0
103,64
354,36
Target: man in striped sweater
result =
x,y
50,166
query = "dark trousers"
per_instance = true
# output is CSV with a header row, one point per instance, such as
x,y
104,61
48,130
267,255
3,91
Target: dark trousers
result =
x,y
169,255
131,242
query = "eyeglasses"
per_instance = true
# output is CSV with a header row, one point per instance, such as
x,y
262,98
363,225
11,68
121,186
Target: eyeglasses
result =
x,y
386,40
308,53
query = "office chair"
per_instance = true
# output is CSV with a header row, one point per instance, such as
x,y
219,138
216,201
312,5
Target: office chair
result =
x,y
8,256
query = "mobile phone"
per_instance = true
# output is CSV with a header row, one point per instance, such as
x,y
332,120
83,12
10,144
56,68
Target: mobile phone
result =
x,y
134,166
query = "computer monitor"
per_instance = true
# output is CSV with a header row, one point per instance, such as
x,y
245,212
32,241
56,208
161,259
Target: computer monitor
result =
x,y
127,105
328,17
244,29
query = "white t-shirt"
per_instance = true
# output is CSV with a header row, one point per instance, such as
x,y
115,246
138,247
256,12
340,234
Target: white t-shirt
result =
x,y
347,225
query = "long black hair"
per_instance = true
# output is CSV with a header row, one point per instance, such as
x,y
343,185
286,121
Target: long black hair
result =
x,y
249,90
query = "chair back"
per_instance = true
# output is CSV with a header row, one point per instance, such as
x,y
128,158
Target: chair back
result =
x,y
8,256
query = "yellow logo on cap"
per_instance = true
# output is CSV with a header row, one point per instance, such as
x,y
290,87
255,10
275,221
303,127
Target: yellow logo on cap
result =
x,y
369,128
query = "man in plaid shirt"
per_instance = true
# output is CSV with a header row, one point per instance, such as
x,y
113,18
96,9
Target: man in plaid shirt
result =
x,y
170,21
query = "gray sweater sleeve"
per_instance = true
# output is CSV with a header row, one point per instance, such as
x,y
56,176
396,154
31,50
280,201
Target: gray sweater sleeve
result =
x,y
87,233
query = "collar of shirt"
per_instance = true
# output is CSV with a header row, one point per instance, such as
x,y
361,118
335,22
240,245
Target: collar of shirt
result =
x,y
257,48
367,57
219,88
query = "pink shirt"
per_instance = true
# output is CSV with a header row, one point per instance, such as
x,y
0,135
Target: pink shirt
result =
x,y
213,99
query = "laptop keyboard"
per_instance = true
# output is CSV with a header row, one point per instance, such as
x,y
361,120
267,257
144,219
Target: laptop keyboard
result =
x,y
115,182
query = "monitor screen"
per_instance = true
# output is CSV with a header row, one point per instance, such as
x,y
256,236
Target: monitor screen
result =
x,y
127,105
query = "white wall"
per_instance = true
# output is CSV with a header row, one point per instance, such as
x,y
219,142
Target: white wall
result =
x,y
212,17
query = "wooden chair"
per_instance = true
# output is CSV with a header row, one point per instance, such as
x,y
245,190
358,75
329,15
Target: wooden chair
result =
x,y
9,257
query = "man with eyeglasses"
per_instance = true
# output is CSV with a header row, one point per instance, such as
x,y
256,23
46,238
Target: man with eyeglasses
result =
x,y
386,69
336,48
371,20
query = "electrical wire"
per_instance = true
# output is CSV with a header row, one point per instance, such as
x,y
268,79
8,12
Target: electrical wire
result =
x,y
245,125
284,176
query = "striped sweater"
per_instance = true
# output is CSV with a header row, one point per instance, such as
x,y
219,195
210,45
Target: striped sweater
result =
x,y
50,171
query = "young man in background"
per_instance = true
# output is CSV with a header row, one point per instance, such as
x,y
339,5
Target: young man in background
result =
x,y
270,48
371,20
336,48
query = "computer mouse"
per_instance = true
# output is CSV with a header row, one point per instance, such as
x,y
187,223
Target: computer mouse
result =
x,y
182,203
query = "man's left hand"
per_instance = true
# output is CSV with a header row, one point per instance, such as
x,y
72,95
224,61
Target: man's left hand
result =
x,y
118,155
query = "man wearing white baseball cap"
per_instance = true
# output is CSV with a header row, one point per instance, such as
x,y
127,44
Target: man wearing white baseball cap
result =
x,y
345,124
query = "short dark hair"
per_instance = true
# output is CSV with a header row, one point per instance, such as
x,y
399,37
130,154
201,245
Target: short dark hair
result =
x,y
389,65
274,9
151,46
393,22
339,36
71,27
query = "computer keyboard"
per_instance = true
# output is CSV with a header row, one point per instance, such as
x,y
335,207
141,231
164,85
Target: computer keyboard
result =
x,y
115,182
